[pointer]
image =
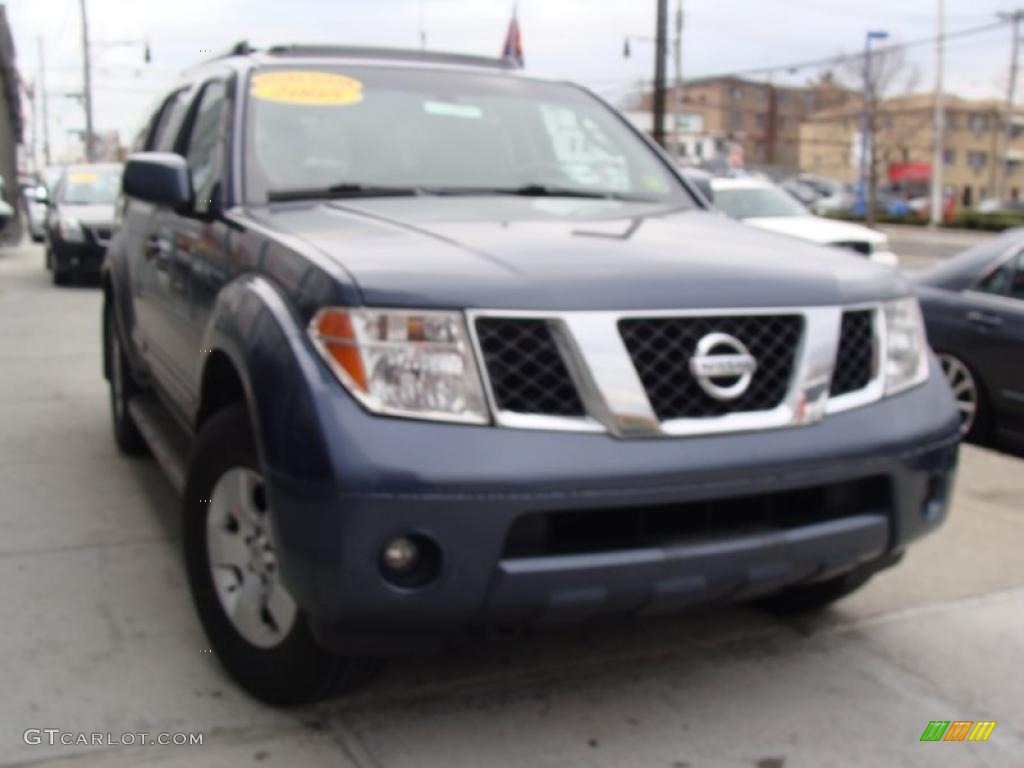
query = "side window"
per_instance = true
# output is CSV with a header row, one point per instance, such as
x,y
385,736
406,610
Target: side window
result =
x,y
998,280
203,144
163,134
1017,285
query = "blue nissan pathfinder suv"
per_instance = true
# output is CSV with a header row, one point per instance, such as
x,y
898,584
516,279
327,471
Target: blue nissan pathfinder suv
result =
x,y
430,346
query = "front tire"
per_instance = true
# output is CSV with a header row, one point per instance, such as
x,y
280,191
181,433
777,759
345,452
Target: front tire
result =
x,y
57,275
811,598
260,635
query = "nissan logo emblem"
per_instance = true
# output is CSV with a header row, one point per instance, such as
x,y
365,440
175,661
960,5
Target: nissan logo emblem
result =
x,y
722,366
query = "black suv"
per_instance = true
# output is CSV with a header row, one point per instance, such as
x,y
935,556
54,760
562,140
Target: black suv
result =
x,y
431,346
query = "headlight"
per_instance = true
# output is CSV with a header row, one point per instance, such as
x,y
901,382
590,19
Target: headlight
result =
x,y
906,346
71,230
403,362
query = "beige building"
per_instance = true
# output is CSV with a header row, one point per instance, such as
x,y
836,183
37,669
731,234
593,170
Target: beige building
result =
x,y
829,145
763,120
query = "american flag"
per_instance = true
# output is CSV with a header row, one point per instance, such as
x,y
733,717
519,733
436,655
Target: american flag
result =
x,y
512,50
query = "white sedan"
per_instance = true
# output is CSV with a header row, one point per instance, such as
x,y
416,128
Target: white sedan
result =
x,y
764,205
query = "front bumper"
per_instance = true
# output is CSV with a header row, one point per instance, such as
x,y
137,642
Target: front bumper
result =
x,y
80,258
466,487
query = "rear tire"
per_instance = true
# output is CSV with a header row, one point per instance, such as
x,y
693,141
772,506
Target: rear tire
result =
x,y
123,387
810,598
260,635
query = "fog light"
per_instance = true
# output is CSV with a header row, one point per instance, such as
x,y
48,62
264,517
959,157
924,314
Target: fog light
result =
x,y
401,555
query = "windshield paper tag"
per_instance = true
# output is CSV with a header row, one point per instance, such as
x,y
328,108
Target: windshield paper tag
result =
x,y
84,177
306,88
447,109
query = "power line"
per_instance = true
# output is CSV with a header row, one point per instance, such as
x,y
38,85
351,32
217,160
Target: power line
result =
x,y
794,67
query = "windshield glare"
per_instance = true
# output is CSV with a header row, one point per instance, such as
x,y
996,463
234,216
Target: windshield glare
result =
x,y
91,187
439,130
754,202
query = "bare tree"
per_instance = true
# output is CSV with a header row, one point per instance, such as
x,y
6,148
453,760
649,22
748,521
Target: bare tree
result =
x,y
888,130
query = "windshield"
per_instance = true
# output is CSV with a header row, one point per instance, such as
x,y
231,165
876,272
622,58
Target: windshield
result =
x,y
91,187
375,130
754,202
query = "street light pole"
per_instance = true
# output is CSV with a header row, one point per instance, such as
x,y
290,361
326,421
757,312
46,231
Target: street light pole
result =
x,y
866,146
87,87
939,121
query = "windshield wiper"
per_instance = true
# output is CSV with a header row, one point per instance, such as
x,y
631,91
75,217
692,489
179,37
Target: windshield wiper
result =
x,y
341,191
534,189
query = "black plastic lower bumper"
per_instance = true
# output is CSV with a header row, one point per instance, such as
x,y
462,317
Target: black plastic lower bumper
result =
x,y
78,258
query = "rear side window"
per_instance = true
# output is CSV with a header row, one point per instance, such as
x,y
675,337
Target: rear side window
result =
x,y
202,148
1017,284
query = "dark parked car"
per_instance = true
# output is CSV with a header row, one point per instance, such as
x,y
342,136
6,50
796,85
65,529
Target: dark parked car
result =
x,y
431,346
80,219
974,309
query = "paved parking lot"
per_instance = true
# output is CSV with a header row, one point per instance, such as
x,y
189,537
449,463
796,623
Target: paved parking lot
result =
x,y
98,633
919,246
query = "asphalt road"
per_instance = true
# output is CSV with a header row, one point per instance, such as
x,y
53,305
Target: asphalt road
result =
x,y
920,246
98,633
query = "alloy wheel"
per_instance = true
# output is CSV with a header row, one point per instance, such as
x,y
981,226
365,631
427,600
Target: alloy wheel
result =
x,y
965,390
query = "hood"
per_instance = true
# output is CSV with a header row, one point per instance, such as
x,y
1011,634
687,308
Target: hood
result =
x,y
818,229
89,214
508,252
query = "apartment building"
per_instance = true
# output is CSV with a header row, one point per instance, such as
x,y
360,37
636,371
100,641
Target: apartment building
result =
x,y
758,122
974,144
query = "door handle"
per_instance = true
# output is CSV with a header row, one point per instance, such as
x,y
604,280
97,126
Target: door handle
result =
x,y
986,319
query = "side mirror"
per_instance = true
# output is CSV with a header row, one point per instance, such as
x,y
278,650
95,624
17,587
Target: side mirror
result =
x,y
158,177
40,195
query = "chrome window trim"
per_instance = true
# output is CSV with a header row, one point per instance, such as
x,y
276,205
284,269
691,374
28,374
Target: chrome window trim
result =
x,y
616,401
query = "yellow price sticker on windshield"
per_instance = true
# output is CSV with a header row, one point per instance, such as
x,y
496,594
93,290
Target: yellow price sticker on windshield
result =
x,y
306,88
83,178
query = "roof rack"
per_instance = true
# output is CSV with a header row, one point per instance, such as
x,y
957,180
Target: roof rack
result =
x,y
241,48
393,54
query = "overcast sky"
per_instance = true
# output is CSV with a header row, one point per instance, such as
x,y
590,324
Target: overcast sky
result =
x,y
576,39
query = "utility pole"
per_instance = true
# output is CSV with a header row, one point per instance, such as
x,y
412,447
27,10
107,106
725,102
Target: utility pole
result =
x,y
87,88
1015,19
660,46
41,96
866,198
677,87
938,121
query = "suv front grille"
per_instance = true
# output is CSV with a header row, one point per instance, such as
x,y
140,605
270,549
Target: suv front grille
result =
x,y
661,349
525,368
855,358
